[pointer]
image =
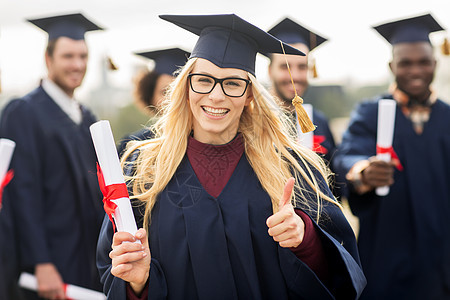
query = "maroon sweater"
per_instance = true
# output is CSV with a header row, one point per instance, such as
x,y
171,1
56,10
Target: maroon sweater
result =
x,y
213,165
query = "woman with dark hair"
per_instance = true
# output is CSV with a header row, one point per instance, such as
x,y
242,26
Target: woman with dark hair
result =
x,y
150,87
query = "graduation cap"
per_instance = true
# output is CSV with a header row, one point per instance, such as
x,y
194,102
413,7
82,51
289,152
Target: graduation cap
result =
x,y
73,26
228,41
415,29
292,33
167,61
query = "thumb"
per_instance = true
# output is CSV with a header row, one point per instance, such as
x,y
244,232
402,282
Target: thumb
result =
x,y
141,235
287,192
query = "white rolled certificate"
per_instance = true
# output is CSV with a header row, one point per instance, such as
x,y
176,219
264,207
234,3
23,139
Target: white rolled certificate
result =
x,y
307,139
385,134
108,160
6,153
29,281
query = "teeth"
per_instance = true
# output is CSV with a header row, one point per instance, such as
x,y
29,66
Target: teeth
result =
x,y
215,111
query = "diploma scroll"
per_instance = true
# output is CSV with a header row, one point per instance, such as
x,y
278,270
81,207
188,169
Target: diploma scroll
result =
x,y
28,281
385,134
6,152
306,139
108,160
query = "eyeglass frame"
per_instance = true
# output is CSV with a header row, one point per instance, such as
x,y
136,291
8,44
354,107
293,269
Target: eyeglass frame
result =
x,y
220,81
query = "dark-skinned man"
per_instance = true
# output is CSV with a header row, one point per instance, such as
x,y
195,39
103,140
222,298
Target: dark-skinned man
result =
x,y
404,236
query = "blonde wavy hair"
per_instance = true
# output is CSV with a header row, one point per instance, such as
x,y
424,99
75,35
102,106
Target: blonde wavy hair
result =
x,y
270,148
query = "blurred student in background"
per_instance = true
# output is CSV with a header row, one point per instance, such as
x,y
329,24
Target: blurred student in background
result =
x,y
305,40
404,237
150,87
54,200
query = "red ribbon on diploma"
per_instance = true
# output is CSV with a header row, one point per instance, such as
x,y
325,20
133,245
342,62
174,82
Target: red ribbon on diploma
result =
x,y
395,159
65,286
317,147
9,175
110,192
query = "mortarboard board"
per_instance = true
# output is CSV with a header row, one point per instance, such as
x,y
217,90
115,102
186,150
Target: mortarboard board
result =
x,y
72,26
229,41
167,61
291,32
415,29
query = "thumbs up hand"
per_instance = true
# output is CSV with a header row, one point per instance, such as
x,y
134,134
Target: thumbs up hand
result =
x,y
285,226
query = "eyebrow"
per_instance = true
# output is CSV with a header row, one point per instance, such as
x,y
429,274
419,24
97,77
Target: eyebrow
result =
x,y
207,73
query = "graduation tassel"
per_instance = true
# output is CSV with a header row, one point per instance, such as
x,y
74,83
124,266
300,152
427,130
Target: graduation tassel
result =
x,y
314,69
313,44
303,119
111,65
445,47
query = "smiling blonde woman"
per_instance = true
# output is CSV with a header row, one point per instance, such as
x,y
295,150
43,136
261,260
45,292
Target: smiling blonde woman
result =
x,y
232,207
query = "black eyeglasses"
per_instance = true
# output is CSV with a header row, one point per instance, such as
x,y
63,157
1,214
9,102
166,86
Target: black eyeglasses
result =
x,y
231,86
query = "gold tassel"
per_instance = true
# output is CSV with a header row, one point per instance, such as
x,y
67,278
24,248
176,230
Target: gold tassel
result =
x,y
303,119
445,47
314,69
111,65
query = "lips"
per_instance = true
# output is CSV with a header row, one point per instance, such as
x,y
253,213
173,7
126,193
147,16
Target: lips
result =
x,y
216,112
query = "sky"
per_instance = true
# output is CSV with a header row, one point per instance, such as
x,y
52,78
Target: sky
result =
x,y
355,53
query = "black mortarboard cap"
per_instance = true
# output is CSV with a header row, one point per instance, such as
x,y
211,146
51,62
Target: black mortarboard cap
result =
x,y
415,29
229,41
167,61
72,26
291,32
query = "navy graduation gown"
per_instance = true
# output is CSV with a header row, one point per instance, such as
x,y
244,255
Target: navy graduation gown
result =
x,y
140,135
219,248
323,138
404,237
325,146
54,201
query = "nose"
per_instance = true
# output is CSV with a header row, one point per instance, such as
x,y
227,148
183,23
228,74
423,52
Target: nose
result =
x,y
217,93
299,74
79,63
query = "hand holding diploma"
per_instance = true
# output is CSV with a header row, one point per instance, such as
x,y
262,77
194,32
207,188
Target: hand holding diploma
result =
x,y
131,261
74,292
385,135
116,201
285,226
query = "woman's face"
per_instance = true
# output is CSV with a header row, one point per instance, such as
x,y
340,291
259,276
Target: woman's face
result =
x,y
164,80
216,115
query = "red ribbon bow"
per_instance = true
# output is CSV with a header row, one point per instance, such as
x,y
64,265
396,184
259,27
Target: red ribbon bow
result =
x,y
394,157
317,147
111,192
9,175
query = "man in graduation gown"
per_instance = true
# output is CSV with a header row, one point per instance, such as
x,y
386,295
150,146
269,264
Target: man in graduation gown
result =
x,y
404,237
305,40
54,201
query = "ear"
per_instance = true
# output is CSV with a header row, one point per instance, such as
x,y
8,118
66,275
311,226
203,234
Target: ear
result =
x,y
47,60
391,66
269,70
249,96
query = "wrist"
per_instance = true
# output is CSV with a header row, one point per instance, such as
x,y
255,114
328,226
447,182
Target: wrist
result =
x,y
356,179
138,287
